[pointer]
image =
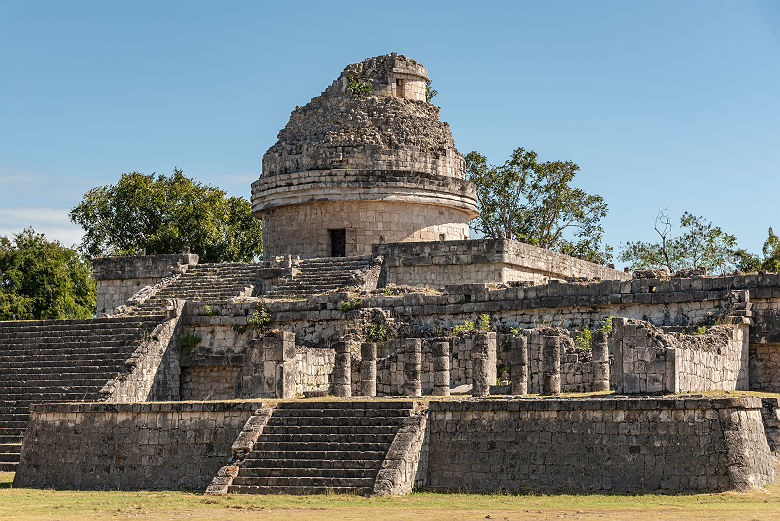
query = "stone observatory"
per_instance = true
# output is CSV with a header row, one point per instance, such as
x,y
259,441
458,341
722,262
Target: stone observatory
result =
x,y
367,161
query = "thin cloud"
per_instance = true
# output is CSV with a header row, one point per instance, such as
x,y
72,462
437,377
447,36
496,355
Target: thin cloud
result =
x,y
53,222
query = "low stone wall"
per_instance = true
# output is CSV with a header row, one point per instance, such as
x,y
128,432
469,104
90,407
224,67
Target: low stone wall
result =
x,y
209,382
765,367
441,263
649,360
630,444
118,278
99,446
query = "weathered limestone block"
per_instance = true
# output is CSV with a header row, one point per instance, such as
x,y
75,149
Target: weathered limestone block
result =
x,y
483,363
269,369
342,370
519,366
551,365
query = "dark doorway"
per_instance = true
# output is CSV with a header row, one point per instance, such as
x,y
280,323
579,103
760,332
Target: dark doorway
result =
x,y
338,243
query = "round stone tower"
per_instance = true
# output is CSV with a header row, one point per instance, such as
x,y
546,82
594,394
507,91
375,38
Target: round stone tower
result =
x,y
354,168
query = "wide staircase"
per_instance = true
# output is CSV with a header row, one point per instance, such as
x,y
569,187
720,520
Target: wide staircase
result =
x,y
321,447
58,361
322,275
205,282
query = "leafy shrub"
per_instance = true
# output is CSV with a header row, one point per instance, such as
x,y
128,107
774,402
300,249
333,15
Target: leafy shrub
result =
x,y
377,332
360,89
584,340
348,305
482,324
210,311
700,330
429,92
260,319
188,341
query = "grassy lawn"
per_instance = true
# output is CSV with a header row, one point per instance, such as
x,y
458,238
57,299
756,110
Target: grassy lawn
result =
x,y
29,504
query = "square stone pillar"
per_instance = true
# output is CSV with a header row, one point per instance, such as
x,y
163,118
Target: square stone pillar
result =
x,y
519,365
551,365
441,368
412,366
269,368
368,369
342,370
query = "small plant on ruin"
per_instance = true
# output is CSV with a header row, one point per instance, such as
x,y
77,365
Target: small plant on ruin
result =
x,y
468,325
348,305
517,331
260,320
483,322
377,332
584,340
240,329
700,330
360,89
606,326
429,92
188,341
210,312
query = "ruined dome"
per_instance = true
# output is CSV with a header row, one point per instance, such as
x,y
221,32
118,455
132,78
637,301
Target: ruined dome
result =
x,y
368,155
393,128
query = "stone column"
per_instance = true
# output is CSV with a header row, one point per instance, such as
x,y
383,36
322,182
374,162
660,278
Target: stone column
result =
x,y
412,366
342,370
480,365
368,369
441,368
519,367
551,365
600,361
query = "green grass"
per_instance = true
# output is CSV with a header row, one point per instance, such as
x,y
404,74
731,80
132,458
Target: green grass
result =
x,y
29,504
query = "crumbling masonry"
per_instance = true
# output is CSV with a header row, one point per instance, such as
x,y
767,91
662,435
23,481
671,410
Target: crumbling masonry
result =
x,y
371,290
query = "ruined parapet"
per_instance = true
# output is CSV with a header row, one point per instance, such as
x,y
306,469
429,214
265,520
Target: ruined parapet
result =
x,y
350,170
649,359
119,278
269,369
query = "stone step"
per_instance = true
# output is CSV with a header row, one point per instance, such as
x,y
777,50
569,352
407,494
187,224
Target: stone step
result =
x,y
361,412
314,472
266,463
305,481
327,438
300,491
310,447
327,430
8,467
314,455
11,438
13,448
377,421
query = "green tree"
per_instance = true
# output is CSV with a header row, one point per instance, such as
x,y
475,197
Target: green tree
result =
x,y
701,244
770,261
525,199
41,279
164,214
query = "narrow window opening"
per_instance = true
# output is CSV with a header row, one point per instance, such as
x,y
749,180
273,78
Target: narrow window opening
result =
x,y
338,243
400,89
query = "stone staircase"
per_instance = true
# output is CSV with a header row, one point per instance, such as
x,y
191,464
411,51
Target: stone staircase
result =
x,y
58,361
205,282
321,275
321,447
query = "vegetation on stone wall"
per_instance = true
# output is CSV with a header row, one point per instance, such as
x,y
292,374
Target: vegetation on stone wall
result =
x,y
164,214
430,93
350,304
360,89
188,342
700,244
42,279
525,199
481,324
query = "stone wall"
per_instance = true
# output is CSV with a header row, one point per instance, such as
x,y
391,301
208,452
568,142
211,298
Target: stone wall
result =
x,y
765,367
209,382
119,278
649,360
303,229
152,371
314,367
619,445
437,264
97,446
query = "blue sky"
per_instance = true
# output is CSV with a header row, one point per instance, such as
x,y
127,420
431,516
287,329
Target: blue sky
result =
x,y
663,104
